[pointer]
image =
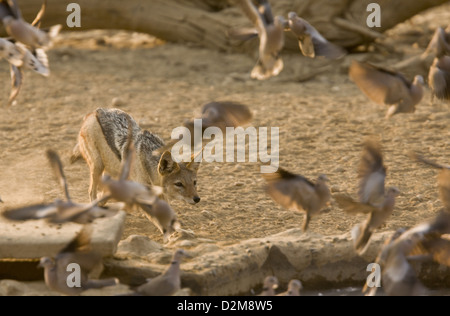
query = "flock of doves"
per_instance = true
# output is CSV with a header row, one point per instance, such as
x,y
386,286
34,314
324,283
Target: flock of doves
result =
x,y
381,85
426,242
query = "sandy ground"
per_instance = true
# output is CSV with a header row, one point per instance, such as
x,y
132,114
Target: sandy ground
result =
x,y
322,121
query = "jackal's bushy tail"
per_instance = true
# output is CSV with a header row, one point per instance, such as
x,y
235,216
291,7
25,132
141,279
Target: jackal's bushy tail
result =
x,y
76,154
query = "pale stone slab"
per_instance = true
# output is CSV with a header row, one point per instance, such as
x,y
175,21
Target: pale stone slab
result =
x,y
36,239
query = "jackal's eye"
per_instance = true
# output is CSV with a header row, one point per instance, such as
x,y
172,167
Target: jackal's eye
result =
x,y
179,184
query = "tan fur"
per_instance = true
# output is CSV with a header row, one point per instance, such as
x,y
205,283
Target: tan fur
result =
x,y
94,148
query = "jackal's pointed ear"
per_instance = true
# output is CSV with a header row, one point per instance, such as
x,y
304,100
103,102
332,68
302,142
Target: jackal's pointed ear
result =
x,y
167,165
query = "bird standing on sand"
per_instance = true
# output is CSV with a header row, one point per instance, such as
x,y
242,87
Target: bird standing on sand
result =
x,y
312,43
439,76
270,285
294,288
440,41
373,200
168,283
271,35
297,193
57,271
387,87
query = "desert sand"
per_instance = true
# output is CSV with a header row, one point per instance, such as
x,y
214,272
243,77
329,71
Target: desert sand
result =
x,y
323,122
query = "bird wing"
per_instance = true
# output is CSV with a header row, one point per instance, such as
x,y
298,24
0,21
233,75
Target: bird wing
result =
x,y
372,174
10,52
252,13
16,83
86,259
225,114
350,206
440,82
38,19
324,48
380,85
58,171
312,43
243,34
14,8
129,153
265,11
81,242
32,212
434,245
306,45
36,60
290,190
81,214
441,251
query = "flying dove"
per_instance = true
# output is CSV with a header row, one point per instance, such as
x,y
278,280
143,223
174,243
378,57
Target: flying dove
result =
x,y
24,32
58,271
297,193
270,285
61,211
224,114
388,88
381,259
294,288
271,35
373,200
312,43
443,179
168,283
377,216
221,115
433,242
371,174
423,242
20,56
398,276
36,61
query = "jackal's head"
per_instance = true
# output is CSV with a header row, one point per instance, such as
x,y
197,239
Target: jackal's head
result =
x,y
179,180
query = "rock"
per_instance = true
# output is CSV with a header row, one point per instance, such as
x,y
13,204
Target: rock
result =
x,y
208,214
117,102
12,288
36,239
